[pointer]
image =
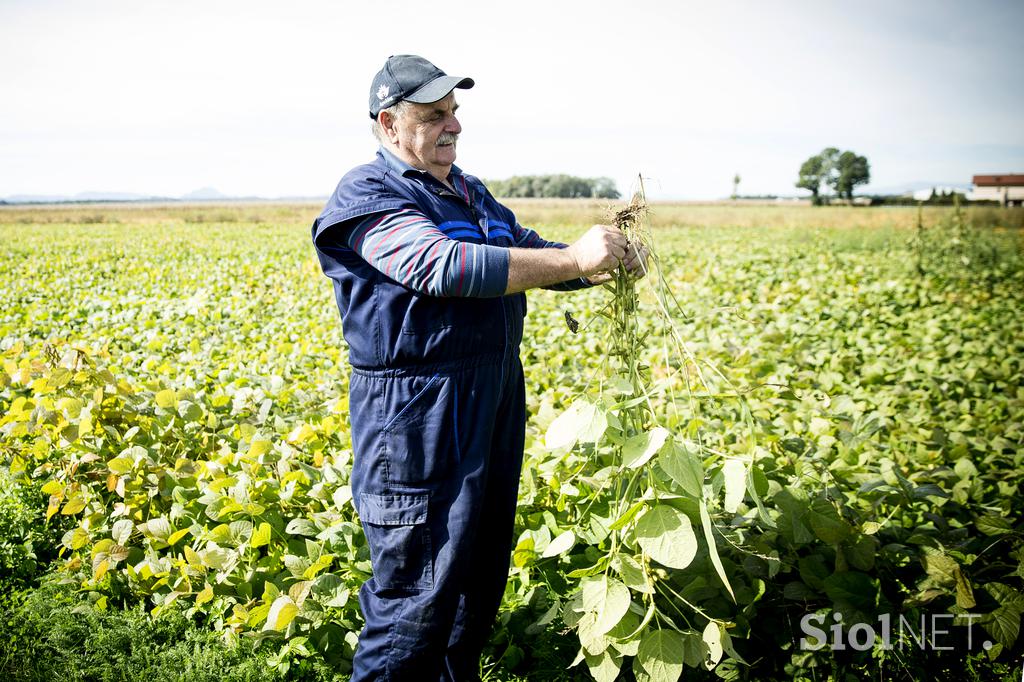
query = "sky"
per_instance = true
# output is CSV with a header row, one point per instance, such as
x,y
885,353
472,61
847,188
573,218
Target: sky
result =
x,y
270,99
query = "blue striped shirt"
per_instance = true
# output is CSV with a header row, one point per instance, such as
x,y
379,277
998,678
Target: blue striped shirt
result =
x,y
410,249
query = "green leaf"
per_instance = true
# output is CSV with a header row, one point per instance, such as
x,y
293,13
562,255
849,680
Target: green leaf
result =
x,y
712,637
735,473
608,599
1004,622
560,545
74,505
632,574
661,655
215,557
166,399
826,522
240,531
994,525
666,534
583,422
158,528
685,468
604,667
628,515
301,526
122,531
941,568
709,536
855,594
329,590
189,411
639,449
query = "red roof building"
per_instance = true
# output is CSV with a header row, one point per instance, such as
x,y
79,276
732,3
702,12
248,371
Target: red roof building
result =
x,y
1007,189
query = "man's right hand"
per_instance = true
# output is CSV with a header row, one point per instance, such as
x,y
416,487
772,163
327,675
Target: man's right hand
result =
x,y
600,249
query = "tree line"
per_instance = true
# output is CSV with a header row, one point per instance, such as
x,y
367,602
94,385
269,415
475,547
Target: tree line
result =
x,y
554,186
840,171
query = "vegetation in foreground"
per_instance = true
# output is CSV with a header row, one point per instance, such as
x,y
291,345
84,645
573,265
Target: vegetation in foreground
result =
x,y
178,396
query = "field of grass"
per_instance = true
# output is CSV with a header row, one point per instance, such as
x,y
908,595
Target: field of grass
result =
x,y
840,391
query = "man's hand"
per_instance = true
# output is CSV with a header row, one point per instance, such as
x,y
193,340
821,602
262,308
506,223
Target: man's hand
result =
x,y
599,250
594,256
635,261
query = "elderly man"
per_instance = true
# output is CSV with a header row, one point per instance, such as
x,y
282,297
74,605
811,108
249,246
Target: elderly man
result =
x,y
428,271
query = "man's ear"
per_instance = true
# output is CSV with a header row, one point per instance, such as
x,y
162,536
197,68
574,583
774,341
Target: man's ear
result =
x,y
387,124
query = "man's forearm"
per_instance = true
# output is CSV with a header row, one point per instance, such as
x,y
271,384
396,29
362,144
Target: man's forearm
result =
x,y
531,268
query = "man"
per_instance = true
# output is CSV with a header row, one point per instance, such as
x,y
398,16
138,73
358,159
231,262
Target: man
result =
x,y
428,271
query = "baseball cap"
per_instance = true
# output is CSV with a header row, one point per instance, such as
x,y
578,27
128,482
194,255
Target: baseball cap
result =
x,y
412,78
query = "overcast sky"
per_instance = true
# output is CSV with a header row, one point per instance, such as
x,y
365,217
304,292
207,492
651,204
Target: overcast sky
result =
x,y
269,98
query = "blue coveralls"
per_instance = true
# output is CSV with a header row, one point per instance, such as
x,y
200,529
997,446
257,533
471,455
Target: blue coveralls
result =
x,y
437,410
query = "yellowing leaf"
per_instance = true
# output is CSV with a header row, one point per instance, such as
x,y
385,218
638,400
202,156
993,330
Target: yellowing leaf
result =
x,y
193,558
79,538
282,612
261,536
73,506
166,399
258,448
53,488
205,595
174,537
120,465
53,507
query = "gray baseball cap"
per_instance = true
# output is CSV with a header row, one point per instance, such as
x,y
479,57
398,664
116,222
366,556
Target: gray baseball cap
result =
x,y
411,78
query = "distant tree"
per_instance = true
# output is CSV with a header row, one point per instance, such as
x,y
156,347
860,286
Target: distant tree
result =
x,y
735,186
821,172
604,188
852,170
553,186
811,177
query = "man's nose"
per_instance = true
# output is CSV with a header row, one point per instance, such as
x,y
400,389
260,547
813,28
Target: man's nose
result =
x,y
453,125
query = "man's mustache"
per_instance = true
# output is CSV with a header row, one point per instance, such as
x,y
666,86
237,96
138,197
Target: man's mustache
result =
x,y
447,138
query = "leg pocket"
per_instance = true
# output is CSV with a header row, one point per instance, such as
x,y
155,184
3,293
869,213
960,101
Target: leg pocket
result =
x,y
420,439
399,539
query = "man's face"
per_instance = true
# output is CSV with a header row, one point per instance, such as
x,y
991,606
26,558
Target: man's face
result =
x,y
426,135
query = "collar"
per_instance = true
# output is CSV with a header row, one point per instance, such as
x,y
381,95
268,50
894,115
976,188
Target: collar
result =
x,y
396,164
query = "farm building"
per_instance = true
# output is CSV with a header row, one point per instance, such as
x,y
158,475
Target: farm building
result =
x,y
1008,190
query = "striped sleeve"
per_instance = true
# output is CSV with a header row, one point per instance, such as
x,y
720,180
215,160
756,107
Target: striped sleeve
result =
x,y
407,247
525,238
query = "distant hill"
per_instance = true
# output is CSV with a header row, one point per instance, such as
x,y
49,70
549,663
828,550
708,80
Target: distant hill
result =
x,y
204,194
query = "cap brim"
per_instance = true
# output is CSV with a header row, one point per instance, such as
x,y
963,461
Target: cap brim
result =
x,y
438,89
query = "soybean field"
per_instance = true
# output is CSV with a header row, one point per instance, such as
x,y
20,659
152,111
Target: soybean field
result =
x,y
793,451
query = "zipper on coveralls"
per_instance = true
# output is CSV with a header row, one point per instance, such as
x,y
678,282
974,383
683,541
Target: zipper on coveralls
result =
x,y
481,219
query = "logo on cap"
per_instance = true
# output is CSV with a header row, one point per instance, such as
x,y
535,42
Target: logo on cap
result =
x,y
382,93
